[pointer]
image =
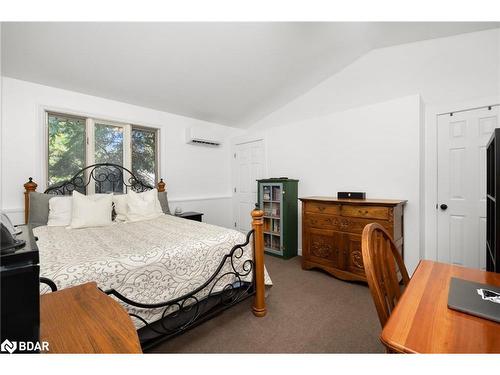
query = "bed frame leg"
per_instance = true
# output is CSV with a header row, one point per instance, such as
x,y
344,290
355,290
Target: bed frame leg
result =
x,y
259,305
28,188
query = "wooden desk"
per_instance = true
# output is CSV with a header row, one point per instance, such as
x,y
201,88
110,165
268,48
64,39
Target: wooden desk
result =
x,y
82,319
422,322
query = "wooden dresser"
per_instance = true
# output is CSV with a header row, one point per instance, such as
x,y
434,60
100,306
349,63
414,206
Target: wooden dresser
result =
x,y
331,232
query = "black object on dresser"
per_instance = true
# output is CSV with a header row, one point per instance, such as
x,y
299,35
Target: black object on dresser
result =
x,y
492,206
20,291
191,215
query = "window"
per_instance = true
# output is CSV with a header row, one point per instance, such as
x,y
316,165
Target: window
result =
x,y
66,147
75,142
144,154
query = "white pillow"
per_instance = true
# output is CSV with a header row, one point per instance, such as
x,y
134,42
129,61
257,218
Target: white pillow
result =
x,y
121,202
151,195
91,210
143,206
59,211
121,206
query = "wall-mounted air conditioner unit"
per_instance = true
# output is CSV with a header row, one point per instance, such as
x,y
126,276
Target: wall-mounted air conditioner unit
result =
x,y
202,136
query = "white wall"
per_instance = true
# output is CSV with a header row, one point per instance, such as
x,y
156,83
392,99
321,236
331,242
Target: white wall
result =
x,y
198,178
358,105
373,148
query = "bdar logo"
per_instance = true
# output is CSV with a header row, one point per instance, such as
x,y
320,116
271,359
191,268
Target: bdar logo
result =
x,y
8,346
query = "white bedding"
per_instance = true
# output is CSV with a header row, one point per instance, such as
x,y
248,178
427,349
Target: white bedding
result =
x,y
149,261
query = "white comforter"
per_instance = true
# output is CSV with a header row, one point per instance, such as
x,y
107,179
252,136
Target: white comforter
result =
x,y
149,261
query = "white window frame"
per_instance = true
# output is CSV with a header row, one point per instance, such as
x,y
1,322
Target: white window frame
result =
x,y
90,122
127,140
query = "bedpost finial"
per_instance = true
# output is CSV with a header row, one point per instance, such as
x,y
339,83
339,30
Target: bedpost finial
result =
x,y
161,185
30,185
257,213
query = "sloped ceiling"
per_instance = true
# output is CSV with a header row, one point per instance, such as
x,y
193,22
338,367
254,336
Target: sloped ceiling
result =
x,y
228,73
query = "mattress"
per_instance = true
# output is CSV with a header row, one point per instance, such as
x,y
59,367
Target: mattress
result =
x,y
150,261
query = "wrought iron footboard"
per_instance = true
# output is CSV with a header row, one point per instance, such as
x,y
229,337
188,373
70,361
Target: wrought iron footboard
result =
x,y
232,282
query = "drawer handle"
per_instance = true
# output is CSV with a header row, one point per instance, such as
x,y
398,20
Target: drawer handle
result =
x,y
321,208
365,212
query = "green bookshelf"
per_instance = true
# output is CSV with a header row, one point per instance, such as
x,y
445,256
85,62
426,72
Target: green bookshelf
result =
x,y
278,199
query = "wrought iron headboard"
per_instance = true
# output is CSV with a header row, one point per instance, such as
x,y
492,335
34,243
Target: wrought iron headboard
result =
x,y
107,177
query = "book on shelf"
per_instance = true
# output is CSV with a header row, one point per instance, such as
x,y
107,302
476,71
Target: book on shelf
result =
x,y
276,226
266,194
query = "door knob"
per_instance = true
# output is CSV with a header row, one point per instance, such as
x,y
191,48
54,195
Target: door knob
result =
x,y
443,206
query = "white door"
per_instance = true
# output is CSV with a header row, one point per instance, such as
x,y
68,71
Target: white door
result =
x,y
248,167
462,139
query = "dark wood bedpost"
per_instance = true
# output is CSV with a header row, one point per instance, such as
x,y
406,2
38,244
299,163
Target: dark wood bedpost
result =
x,y
28,188
161,186
259,305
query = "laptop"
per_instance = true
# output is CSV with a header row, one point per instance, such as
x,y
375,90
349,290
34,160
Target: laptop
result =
x,y
477,299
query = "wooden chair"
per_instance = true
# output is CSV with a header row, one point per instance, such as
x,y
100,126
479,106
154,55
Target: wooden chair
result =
x,y
382,260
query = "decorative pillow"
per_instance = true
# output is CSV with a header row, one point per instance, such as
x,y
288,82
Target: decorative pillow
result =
x,y
39,209
91,210
59,211
162,197
143,206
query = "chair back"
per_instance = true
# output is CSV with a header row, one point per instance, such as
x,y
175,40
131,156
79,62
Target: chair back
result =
x,y
382,262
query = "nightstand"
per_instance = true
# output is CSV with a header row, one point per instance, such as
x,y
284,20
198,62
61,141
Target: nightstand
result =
x,y
190,215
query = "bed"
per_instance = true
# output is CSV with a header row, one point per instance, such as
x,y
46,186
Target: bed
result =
x,y
169,273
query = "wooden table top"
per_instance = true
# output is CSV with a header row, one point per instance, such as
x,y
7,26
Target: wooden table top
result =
x,y
82,319
423,323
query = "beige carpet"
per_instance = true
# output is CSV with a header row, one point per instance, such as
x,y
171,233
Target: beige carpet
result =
x,y
308,312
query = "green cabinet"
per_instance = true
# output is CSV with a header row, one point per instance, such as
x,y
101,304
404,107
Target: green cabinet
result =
x,y
278,199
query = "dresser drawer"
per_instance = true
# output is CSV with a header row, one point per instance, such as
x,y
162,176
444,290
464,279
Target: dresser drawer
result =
x,y
322,208
366,212
356,226
341,223
320,221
